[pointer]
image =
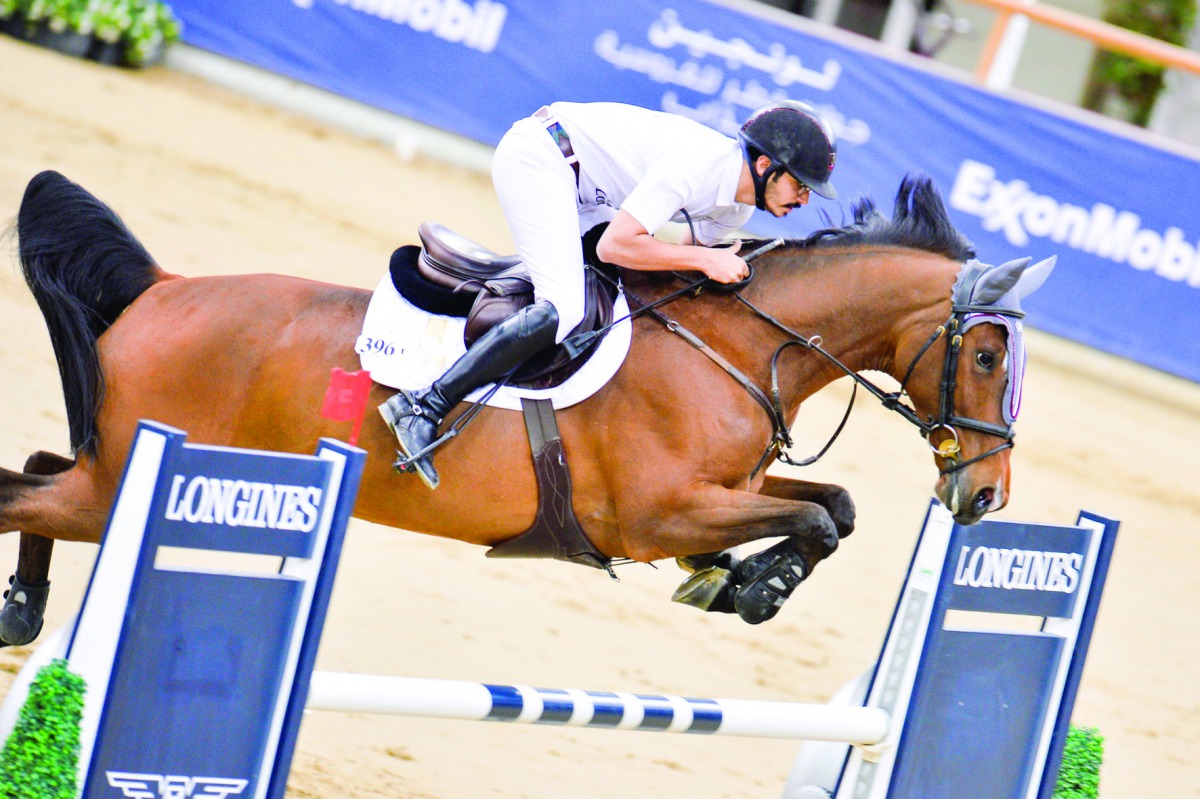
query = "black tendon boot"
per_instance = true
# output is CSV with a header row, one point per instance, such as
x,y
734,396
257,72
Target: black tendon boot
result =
x,y
414,416
767,579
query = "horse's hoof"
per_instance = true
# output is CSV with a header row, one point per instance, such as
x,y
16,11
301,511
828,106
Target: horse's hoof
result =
x,y
725,559
23,613
709,589
760,598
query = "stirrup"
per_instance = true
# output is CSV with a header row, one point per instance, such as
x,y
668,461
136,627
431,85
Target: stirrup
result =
x,y
399,412
405,462
406,465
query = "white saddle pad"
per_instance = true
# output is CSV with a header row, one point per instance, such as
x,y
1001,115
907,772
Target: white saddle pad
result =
x,y
403,346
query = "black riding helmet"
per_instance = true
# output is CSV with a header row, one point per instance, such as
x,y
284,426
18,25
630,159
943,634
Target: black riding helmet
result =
x,y
796,138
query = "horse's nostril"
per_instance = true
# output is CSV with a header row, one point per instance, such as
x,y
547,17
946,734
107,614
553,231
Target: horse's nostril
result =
x,y
985,498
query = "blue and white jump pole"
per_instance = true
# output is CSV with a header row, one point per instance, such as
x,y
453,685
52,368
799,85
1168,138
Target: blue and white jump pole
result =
x,y
615,710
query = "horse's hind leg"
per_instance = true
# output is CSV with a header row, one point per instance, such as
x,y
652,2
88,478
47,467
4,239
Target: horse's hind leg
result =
x,y
25,600
33,559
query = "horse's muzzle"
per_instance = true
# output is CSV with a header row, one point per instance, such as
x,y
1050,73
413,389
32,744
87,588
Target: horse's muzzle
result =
x,y
968,505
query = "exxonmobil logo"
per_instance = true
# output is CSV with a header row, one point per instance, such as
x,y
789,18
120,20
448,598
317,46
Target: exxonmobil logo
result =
x,y
243,503
1018,569
475,25
1011,207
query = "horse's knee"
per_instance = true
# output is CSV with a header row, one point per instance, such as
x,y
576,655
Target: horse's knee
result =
x,y
822,532
840,508
814,527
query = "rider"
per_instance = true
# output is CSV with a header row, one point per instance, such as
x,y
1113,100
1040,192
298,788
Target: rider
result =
x,y
572,166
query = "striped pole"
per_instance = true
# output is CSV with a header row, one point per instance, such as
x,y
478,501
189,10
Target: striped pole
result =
x,y
470,701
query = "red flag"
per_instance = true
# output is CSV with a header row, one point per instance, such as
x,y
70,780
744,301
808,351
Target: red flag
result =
x,y
346,398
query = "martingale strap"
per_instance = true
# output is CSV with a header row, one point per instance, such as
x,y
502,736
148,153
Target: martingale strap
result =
x,y
556,532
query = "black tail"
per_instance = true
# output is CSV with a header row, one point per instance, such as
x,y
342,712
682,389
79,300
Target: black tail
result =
x,y
84,268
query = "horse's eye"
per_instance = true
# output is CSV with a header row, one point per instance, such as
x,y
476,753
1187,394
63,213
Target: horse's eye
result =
x,y
986,360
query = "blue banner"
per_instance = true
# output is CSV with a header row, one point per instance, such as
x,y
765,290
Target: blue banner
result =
x,y
1019,180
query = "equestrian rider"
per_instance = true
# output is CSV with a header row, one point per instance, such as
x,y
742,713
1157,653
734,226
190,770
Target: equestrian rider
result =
x,y
572,166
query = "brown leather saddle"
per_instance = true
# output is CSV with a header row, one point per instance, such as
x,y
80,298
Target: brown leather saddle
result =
x,y
451,275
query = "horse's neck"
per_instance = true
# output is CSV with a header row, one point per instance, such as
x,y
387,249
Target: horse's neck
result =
x,y
867,307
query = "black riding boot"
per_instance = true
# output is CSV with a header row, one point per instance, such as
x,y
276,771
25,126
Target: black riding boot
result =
x,y
414,416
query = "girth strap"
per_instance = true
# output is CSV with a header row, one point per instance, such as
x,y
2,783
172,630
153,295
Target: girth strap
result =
x,y
556,532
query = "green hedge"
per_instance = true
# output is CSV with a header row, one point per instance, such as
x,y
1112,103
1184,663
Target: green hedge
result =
x,y
140,29
1079,775
41,757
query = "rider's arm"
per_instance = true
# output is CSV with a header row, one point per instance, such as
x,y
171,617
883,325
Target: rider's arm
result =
x,y
626,243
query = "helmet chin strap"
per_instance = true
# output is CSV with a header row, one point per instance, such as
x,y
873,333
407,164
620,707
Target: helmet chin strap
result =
x,y
760,182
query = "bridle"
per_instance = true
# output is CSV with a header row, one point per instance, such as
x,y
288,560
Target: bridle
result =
x,y
946,420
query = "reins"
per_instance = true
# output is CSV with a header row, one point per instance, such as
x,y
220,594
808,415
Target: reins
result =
x,y
781,439
772,404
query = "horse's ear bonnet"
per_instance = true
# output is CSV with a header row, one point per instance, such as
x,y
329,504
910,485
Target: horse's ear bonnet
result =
x,y
996,282
1032,278
1002,288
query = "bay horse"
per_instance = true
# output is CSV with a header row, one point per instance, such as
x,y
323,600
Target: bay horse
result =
x,y
665,458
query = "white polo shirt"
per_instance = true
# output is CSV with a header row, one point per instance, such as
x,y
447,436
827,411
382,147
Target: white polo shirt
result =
x,y
651,164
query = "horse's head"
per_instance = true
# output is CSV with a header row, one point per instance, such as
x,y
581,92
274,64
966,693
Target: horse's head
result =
x,y
965,384
905,295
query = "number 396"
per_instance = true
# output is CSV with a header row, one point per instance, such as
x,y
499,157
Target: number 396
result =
x,y
375,346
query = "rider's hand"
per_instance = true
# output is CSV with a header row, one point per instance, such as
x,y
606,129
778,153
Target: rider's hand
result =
x,y
722,264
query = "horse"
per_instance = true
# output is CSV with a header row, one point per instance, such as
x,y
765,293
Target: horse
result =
x,y
666,459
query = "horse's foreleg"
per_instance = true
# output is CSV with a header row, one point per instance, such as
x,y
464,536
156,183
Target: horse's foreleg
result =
x,y
834,499
765,580
710,518
25,601
713,519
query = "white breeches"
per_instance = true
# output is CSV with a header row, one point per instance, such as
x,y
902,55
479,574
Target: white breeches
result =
x,y
537,191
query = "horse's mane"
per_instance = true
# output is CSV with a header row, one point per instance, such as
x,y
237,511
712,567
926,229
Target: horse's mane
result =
x,y
919,221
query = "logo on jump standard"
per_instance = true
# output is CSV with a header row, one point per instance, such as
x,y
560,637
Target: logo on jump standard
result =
x,y
243,503
173,786
1018,569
